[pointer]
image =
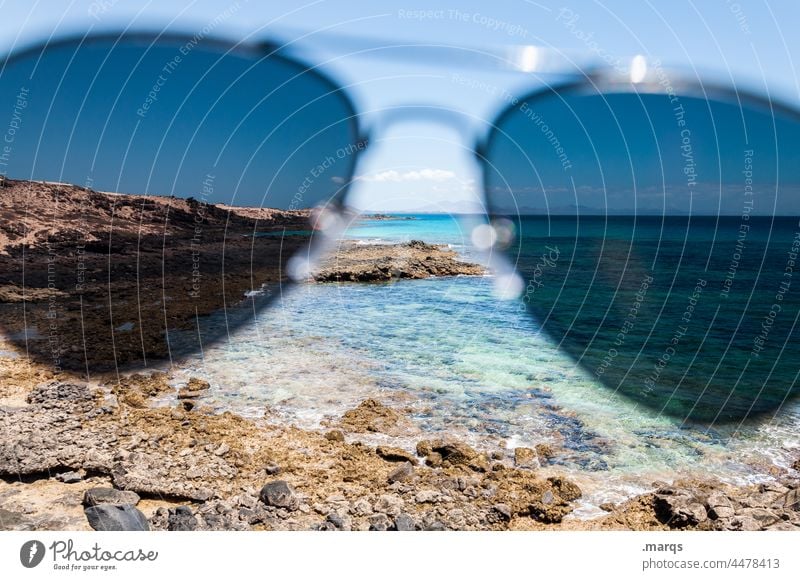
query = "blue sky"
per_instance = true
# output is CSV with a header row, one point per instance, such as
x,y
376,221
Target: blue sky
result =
x,y
411,165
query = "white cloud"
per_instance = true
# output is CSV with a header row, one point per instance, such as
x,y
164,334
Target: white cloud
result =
x,y
391,175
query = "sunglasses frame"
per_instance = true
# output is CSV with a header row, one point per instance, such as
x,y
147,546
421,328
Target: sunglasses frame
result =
x,y
600,80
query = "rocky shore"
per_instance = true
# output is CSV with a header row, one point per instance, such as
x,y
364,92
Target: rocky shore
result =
x,y
90,281
77,455
93,281
355,262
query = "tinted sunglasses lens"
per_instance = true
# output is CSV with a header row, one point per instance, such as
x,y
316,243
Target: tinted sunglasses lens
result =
x,y
93,280
658,235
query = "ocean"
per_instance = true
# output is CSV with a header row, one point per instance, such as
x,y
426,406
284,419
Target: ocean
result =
x,y
465,364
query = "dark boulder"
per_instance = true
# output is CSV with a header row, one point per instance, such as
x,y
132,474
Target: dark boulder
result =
x,y
116,518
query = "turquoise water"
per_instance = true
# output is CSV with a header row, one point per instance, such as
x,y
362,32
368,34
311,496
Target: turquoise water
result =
x,y
696,318
438,228
467,365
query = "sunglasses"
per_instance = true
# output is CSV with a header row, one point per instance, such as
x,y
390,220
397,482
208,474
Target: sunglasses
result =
x,y
648,224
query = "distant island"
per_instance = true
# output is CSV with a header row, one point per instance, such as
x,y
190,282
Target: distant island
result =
x,y
387,217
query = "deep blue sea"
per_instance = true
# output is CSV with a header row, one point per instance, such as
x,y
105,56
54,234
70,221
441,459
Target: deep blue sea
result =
x,y
467,364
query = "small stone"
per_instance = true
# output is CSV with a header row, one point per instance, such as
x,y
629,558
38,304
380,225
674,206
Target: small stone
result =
x,y
525,457
371,416
69,477
109,495
679,510
791,500
335,435
607,507
338,521
433,459
402,473
481,463
428,496
502,510
116,518
181,519
389,504
424,448
272,469
248,501
395,454
196,384
378,523
455,452
782,527
547,497
361,507
278,494
222,450
745,524
544,452
719,506
187,393
565,489
762,516
404,523
187,405
435,526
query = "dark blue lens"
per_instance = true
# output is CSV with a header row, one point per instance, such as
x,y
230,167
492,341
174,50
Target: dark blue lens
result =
x,y
222,154
658,236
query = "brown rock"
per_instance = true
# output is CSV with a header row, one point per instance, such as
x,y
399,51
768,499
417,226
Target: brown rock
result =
x,y
371,416
544,452
678,508
395,454
402,473
719,506
383,262
108,495
335,435
502,510
424,448
187,393
763,516
565,489
791,500
433,459
454,452
196,384
744,524
525,457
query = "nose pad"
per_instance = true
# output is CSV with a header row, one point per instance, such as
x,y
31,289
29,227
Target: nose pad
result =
x,y
396,176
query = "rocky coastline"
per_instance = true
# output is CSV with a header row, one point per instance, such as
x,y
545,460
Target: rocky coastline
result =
x,y
93,281
102,454
90,281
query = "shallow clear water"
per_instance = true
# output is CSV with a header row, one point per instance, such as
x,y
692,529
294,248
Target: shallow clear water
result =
x,y
468,365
